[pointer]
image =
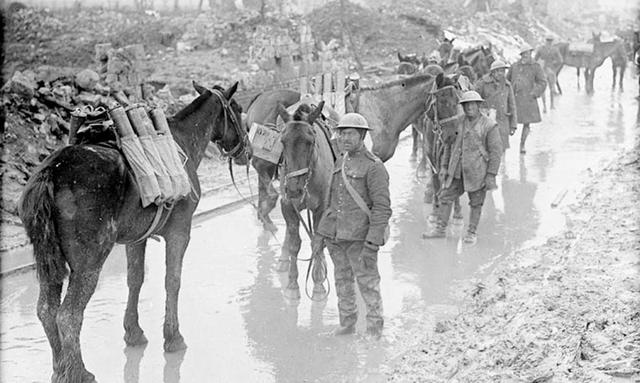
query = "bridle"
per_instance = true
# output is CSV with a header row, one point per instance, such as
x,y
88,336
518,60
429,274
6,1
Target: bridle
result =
x,y
243,139
438,123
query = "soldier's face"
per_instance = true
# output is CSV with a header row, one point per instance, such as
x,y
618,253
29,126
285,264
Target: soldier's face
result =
x,y
350,139
499,74
471,109
526,56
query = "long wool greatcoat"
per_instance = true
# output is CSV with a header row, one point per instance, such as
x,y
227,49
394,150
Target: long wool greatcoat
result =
x,y
477,150
499,97
529,82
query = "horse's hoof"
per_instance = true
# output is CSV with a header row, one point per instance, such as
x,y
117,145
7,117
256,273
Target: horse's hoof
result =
x,y
292,293
283,266
174,344
84,377
135,338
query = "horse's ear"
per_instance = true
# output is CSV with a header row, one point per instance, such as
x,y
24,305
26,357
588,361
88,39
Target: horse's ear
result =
x,y
439,80
199,88
282,112
399,57
229,92
452,40
316,113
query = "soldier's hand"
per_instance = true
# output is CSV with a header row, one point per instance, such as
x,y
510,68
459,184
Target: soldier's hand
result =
x,y
442,177
490,182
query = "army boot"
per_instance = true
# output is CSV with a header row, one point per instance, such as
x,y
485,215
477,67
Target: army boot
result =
x,y
438,230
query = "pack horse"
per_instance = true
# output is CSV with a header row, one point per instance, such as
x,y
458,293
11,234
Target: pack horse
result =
x,y
74,215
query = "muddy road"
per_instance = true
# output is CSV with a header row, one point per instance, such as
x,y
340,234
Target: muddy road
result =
x,y
235,320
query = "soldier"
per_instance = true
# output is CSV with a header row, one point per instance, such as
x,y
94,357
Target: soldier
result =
x,y
498,95
354,224
470,165
552,59
528,81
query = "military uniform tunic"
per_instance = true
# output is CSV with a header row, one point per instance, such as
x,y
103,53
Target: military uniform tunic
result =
x,y
346,227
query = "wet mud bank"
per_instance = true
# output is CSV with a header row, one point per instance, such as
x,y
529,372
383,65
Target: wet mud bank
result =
x,y
566,310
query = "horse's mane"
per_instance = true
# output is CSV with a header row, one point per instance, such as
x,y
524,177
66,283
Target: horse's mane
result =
x,y
253,100
191,108
407,81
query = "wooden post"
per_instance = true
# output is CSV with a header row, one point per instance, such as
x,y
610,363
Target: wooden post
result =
x,y
340,85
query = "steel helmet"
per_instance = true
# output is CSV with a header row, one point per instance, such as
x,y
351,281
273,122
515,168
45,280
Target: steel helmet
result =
x,y
549,37
354,76
498,64
525,48
470,96
353,120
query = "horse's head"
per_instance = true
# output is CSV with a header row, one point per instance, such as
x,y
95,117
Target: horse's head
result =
x,y
443,106
445,48
595,38
228,134
298,140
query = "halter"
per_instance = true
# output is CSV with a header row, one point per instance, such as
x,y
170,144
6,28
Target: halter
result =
x,y
243,144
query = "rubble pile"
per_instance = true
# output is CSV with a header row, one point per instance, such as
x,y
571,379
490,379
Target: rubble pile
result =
x,y
376,34
67,37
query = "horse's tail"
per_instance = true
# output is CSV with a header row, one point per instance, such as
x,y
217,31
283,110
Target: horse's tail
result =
x,y
36,209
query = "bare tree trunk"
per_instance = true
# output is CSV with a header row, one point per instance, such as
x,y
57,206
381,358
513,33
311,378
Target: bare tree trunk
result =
x,y
347,28
263,6
175,5
200,5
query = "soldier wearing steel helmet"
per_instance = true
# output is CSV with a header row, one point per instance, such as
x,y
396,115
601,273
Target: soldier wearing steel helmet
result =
x,y
498,95
469,165
351,233
529,82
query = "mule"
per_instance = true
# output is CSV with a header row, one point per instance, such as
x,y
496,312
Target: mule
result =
x,y
83,200
307,166
443,118
389,108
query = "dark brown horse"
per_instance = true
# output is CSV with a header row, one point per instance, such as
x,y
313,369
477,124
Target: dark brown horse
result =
x,y
443,117
83,200
264,110
307,166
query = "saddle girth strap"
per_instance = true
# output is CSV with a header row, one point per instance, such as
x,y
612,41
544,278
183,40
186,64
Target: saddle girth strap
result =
x,y
159,220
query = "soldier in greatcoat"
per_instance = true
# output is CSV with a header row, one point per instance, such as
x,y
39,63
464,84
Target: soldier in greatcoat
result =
x,y
497,93
529,82
470,165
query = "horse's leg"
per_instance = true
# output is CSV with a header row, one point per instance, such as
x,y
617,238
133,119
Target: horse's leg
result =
x,y
544,102
267,197
623,67
614,69
48,305
415,138
82,285
291,247
133,334
551,93
558,83
578,76
176,245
